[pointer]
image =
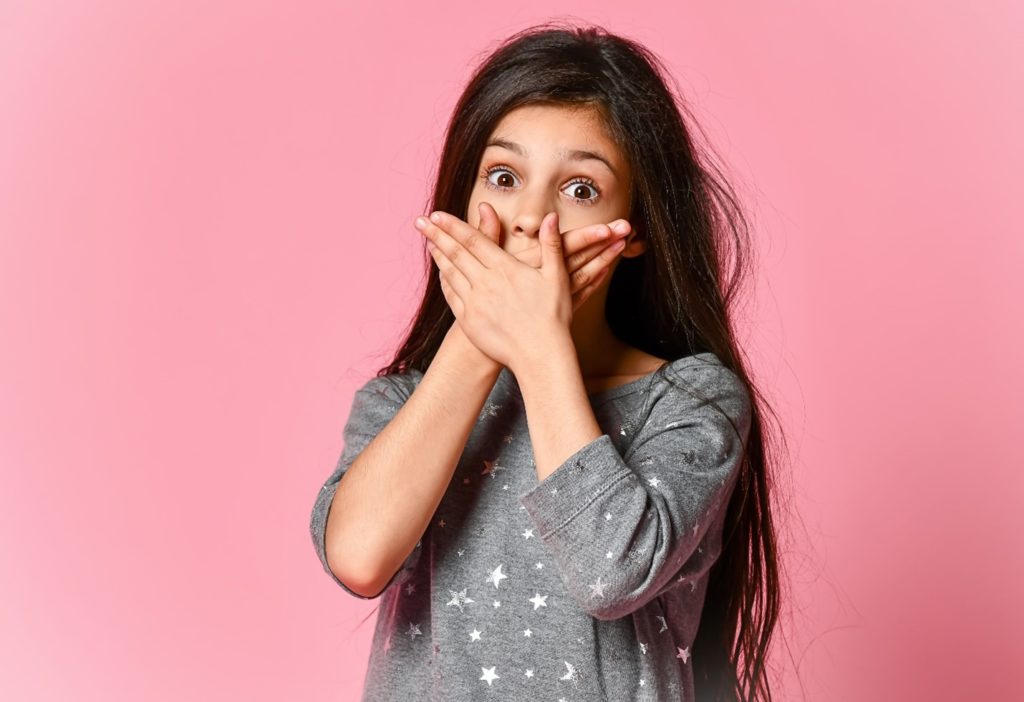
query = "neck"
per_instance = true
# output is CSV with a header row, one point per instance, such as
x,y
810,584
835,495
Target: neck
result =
x,y
598,350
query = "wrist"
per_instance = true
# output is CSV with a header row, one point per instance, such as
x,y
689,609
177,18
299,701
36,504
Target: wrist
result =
x,y
469,356
554,351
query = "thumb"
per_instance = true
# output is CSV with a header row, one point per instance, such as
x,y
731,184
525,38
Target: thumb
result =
x,y
489,225
551,246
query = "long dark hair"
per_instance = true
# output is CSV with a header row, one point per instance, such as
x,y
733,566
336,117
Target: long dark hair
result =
x,y
674,300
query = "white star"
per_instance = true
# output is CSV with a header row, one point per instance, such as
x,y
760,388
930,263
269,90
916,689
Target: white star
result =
x,y
654,481
527,633
496,575
475,635
597,589
441,523
607,516
410,588
528,673
643,648
664,624
539,600
539,565
461,551
528,534
489,675
608,555
695,527
497,603
570,672
414,630
505,486
458,599
693,585
554,491
684,653
642,682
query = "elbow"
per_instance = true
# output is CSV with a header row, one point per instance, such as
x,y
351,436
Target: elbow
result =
x,y
357,579
362,584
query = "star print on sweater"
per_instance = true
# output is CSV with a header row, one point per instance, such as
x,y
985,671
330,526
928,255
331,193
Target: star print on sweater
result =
x,y
523,589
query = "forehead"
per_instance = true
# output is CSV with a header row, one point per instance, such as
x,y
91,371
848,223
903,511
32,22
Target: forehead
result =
x,y
547,130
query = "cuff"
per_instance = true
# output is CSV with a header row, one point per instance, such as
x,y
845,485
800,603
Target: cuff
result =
x,y
578,481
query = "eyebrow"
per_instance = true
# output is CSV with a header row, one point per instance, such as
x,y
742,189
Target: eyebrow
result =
x,y
565,154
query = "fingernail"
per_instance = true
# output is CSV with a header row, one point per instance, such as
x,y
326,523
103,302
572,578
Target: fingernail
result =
x,y
420,223
621,227
435,217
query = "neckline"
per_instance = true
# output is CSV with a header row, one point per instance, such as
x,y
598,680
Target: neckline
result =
x,y
632,386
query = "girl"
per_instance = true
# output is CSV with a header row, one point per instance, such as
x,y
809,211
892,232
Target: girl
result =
x,y
558,488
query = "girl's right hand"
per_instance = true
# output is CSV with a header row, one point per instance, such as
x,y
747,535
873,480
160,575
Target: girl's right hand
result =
x,y
588,255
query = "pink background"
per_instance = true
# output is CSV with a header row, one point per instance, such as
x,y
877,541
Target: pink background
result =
x,y
206,245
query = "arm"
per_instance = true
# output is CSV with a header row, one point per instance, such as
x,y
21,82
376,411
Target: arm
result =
x,y
622,526
375,507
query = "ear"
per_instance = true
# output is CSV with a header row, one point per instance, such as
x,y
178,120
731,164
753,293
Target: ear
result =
x,y
636,240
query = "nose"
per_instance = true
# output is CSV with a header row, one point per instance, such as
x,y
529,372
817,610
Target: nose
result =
x,y
527,221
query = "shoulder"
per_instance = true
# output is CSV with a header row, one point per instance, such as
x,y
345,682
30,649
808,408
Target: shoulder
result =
x,y
702,379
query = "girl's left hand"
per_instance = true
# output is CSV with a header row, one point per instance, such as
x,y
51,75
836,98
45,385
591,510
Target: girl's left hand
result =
x,y
504,306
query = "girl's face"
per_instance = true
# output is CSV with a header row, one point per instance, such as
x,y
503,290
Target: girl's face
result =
x,y
544,158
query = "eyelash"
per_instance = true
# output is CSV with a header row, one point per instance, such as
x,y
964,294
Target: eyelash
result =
x,y
586,202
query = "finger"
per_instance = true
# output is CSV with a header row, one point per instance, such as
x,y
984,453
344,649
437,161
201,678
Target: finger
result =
x,y
581,295
466,246
456,255
490,225
449,272
551,261
530,256
577,239
593,259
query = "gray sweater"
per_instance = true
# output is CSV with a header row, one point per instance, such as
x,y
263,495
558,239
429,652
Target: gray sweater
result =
x,y
587,585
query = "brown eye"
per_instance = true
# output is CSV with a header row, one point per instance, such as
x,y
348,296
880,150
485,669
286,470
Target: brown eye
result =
x,y
580,192
503,181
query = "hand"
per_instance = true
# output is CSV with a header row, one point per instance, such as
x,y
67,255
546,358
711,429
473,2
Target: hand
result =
x,y
502,304
588,251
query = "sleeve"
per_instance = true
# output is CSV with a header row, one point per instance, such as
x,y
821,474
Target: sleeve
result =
x,y
620,528
373,406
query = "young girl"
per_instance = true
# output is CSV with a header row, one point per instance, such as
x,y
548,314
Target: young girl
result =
x,y
558,488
